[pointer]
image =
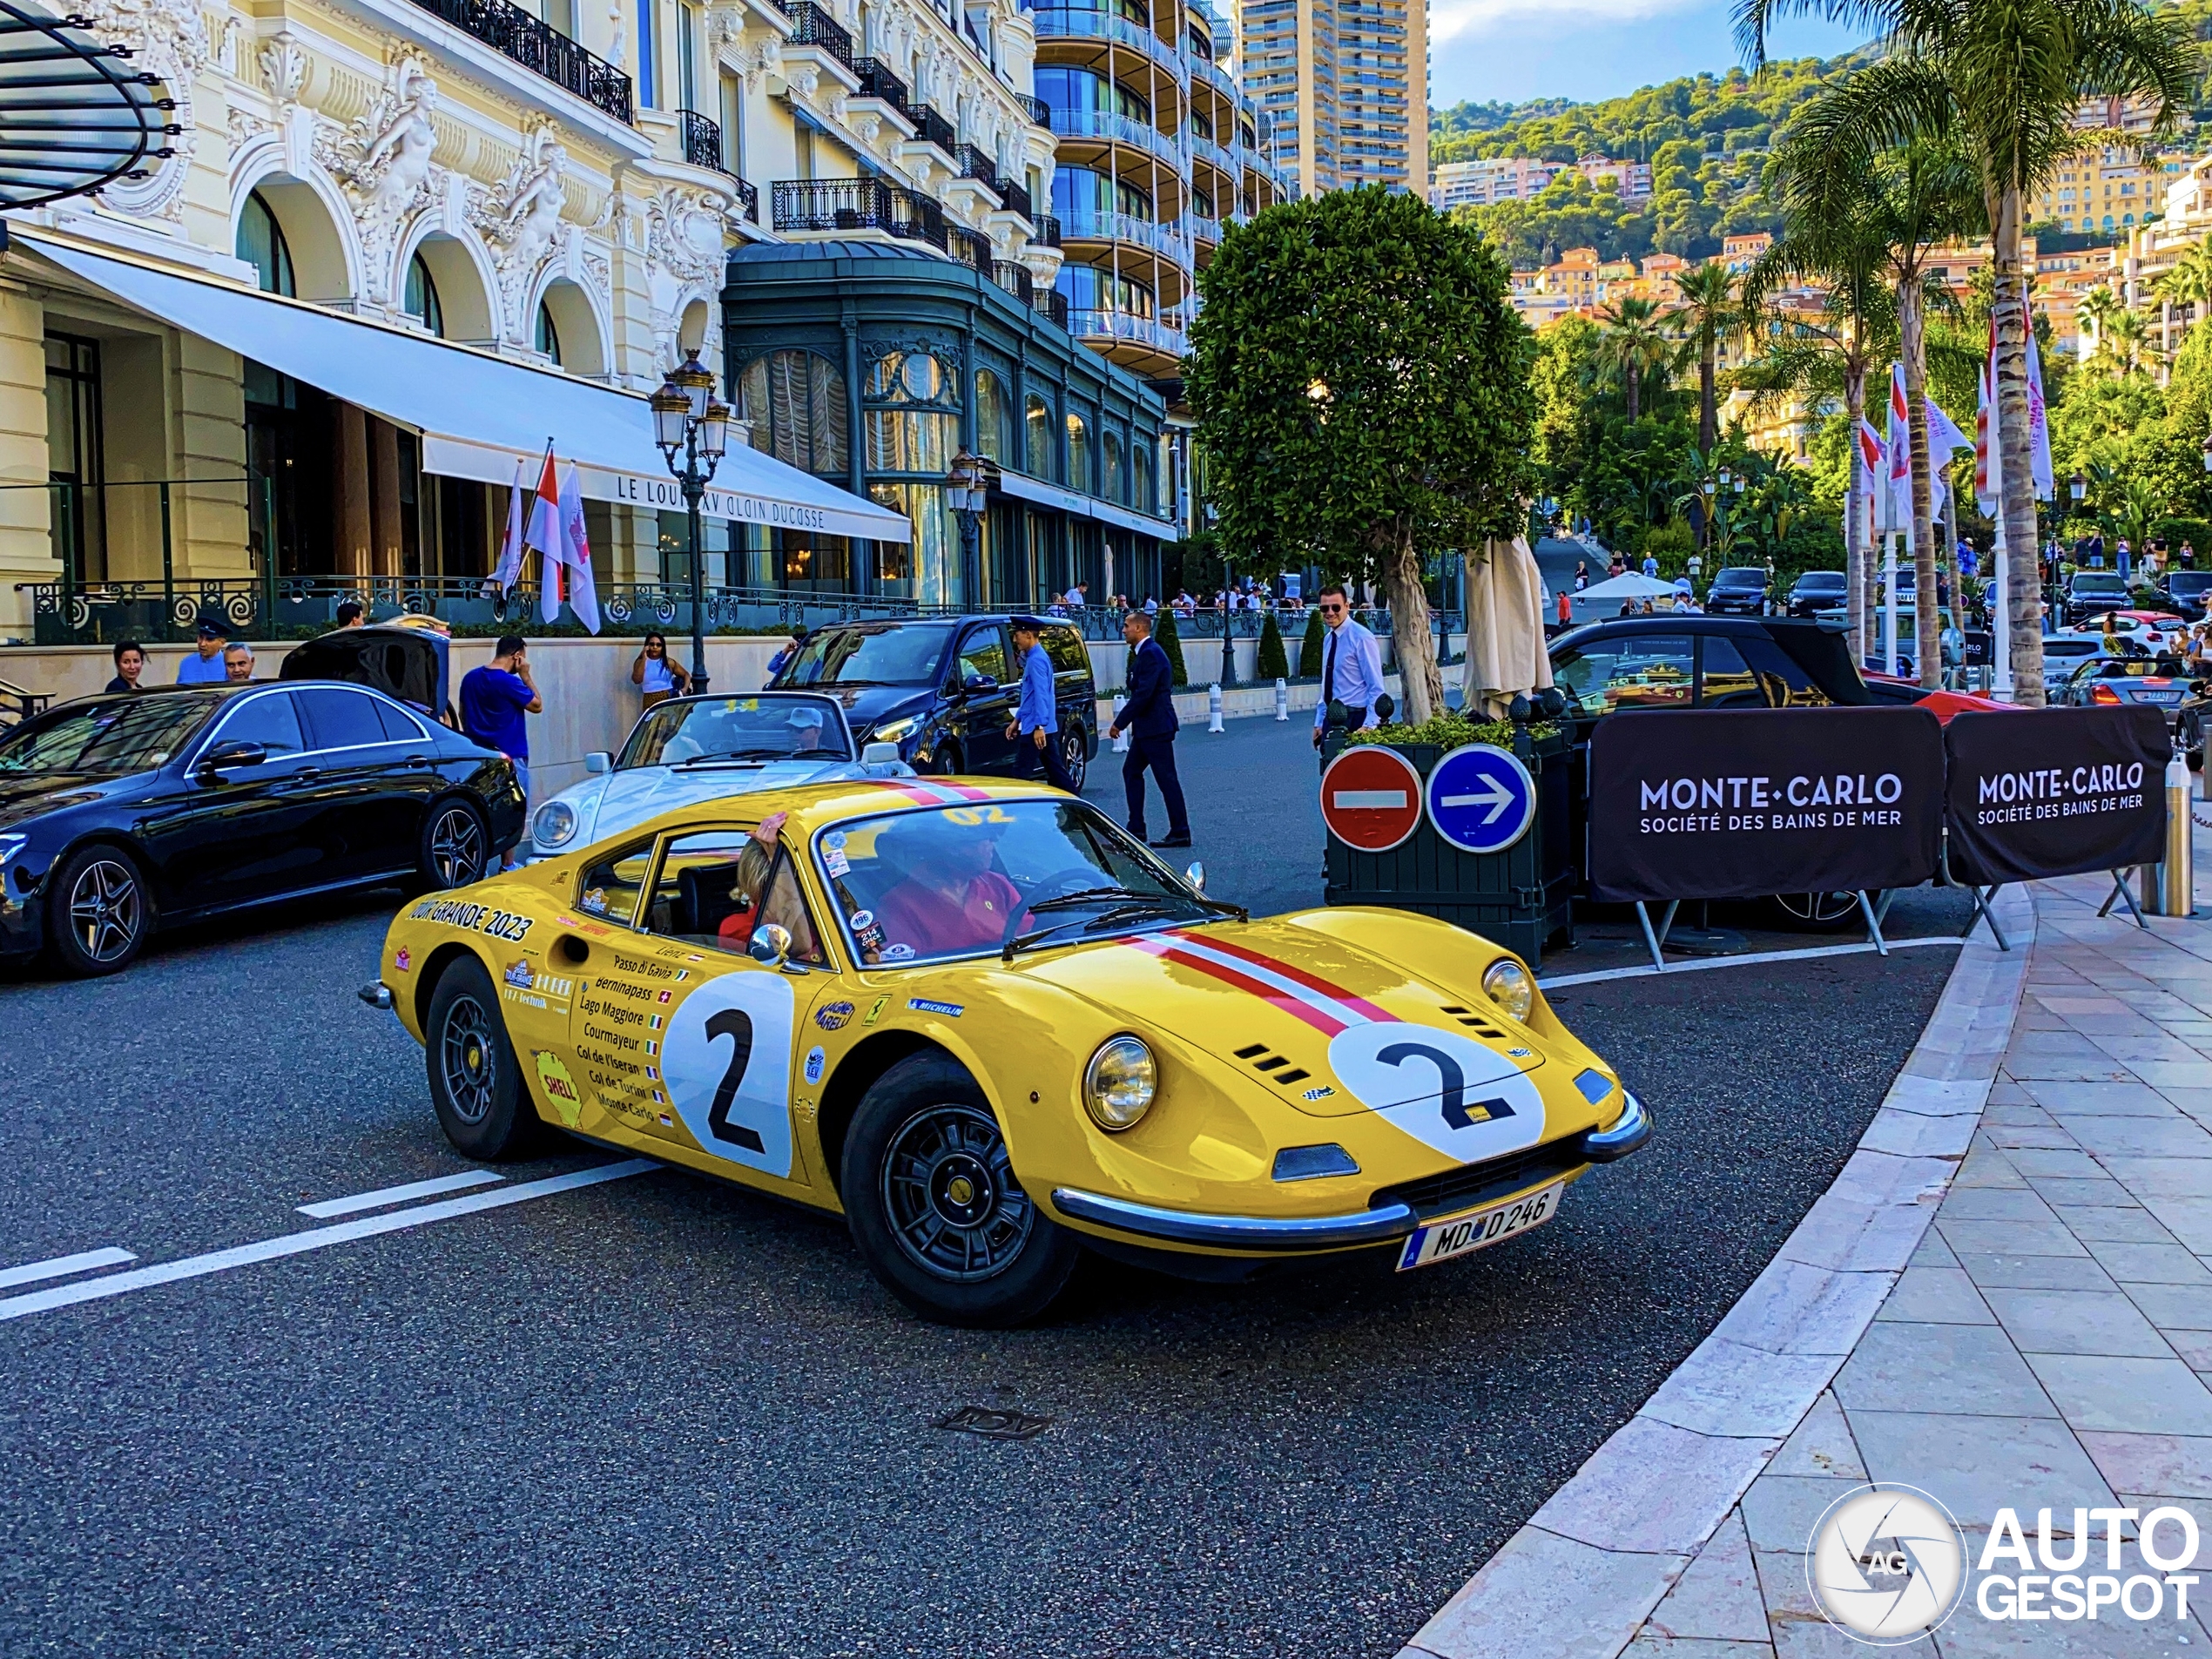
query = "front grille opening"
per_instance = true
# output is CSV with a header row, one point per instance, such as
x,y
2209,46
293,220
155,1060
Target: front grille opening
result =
x,y
1473,1183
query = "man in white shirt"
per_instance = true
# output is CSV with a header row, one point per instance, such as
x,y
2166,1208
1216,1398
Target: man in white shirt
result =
x,y
1351,665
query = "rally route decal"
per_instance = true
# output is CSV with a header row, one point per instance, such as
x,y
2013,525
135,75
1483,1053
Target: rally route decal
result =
x,y
1442,1088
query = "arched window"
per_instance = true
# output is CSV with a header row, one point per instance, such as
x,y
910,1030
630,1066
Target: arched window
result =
x,y
919,430
994,419
1078,454
260,244
1112,443
421,298
549,337
796,404
1037,419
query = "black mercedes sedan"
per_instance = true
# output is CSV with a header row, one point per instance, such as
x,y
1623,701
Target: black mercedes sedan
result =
x,y
121,814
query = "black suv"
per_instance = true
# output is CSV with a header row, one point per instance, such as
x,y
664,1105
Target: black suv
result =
x,y
1817,590
1739,590
2091,593
2185,592
945,690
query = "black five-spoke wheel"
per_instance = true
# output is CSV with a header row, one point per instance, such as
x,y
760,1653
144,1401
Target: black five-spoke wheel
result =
x,y
453,846
100,914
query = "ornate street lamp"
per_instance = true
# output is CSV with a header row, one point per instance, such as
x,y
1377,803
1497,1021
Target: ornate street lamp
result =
x,y
2077,487
2208,455
968,487
690,422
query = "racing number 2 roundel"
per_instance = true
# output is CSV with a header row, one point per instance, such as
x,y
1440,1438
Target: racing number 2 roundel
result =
x,y
728,1064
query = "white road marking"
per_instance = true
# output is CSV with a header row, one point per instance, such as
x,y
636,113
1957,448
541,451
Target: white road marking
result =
x,y
1745,961
62,1266
61,1296
1347,800
384,1195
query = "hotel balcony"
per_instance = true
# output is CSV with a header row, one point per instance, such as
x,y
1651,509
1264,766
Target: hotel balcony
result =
x,y
536,45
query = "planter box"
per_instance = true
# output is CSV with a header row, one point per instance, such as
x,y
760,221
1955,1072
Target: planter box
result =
x,y
1521,898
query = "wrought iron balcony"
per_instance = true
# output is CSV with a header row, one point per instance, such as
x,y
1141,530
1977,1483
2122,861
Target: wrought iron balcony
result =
x,y
1015,199
1048,230
1036,109
877,81
749,193
536,45
811,26
702,140
1052,304
933,128
856,205
975,164
970,249
1015,279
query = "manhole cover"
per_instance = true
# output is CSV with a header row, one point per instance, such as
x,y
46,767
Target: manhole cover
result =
x,y
993,1425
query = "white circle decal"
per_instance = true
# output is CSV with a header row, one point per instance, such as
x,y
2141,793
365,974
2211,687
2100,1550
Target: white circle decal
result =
x,y
1443,1088
1886,1563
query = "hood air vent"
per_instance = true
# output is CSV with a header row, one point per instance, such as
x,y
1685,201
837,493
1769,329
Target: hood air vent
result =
x,y
1271,1065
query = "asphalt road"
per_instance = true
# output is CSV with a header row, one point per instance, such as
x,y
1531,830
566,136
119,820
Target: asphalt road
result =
x,y
660,1415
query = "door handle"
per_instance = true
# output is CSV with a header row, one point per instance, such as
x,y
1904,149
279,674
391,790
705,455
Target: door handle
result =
x,y
308,771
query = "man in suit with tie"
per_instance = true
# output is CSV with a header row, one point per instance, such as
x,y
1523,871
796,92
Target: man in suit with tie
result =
x,y
1149,717
1351,665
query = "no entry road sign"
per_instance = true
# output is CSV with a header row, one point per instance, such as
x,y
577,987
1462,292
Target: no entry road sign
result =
x,y
1370,798
1481,798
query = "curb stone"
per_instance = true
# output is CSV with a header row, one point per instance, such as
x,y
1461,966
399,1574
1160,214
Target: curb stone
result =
x,y
1579,1578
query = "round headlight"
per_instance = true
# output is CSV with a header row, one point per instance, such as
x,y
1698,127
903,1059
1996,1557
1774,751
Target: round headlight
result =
x,y
1507,983
1119,1083
555,825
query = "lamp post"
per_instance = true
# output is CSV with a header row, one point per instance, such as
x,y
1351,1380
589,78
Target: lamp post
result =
x,y
1228,633
2208,455
691,421
968,487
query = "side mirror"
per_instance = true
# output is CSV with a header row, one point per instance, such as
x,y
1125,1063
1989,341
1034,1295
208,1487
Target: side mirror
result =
x,y
599,760
879,754
771,944
226,757
1195,873
977,683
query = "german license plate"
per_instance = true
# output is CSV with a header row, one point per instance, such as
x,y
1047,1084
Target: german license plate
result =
x,y
1441,1241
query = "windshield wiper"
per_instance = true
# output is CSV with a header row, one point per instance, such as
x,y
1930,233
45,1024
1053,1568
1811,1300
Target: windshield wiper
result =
x,y
735,757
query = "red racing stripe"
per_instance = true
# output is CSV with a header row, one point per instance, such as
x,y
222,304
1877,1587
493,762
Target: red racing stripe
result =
x,y
1311,982
1326,1024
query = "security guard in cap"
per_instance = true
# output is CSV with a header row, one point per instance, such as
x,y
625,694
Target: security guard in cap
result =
x,y
1036,731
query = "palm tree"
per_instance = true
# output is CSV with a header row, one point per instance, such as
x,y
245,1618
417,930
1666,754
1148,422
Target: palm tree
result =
x,y
1828,354
2097,309
2189,283
1634,345
1708,315
1905,200
2003,79
2124,342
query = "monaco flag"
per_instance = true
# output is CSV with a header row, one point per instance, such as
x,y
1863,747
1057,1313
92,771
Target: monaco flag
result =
x,y
545,536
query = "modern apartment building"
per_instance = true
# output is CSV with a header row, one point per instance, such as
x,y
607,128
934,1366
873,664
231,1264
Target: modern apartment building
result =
x,y
400,246
1499,178
1346,82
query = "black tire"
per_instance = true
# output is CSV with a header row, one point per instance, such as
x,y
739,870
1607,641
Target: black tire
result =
x,y
454,846
1075,754
98,911
934,1206
1817,913
476,1080
946,762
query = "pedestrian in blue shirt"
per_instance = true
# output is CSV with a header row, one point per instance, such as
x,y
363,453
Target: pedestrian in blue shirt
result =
x,y
205,667
1149,716
1035,729
493,701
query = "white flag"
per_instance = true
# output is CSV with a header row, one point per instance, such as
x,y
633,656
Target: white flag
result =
x,y
2039,422
576,553
504,579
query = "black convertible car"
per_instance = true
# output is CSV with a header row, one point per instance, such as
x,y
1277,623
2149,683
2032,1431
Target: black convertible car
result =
x,y
119,814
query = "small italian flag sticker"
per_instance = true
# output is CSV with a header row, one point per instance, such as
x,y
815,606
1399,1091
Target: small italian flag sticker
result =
x,y
651,1047
657,1022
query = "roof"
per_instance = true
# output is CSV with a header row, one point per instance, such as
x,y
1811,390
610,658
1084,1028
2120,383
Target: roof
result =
x,y
782,252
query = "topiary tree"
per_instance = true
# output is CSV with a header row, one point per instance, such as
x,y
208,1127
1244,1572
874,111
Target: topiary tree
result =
x,y
1309,649
1171,643
1362,391
1272,664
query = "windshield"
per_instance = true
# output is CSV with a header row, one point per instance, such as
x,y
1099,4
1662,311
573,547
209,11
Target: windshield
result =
x,y
923,887
2135,668
114,738
2189,580
879,654
1821,579
2099,584
766,727
1742,577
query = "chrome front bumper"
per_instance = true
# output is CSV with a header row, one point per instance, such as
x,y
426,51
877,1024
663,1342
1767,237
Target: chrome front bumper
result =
x,y
1381,1225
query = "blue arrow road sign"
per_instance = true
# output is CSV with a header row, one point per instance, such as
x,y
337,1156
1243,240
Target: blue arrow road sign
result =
x,y
1481,798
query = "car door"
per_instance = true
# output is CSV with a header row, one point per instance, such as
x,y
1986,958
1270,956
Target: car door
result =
x,y
368,798
982,717
240,834
1724,679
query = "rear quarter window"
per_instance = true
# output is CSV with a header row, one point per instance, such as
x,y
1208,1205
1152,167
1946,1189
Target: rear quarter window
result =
x,y
1065,647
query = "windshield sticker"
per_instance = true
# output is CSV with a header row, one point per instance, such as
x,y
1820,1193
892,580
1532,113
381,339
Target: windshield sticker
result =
x,y
897,953
862,920
834,840
832,1016
923,1005
835,862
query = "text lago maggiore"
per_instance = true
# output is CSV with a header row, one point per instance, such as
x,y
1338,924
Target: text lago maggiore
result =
x,y
1845,800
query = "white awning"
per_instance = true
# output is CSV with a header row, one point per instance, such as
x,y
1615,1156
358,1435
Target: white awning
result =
x,y
479,415
1082,506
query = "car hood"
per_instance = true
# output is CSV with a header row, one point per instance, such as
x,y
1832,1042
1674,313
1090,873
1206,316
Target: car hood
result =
x,y
1333,1028
866,706
607,805
24,796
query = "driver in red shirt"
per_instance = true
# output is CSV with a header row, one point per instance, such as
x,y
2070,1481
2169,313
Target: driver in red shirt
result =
x,y
949,898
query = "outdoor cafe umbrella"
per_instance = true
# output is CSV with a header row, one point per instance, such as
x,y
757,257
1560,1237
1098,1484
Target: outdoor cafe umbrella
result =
x,y
1505,653
1603,599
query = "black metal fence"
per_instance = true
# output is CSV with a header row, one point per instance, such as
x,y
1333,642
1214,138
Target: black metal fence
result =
x,y
858,203
811,26
702,140
878,80
531,42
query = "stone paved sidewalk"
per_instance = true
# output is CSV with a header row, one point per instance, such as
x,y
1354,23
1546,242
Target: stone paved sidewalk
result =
x,y
2050,1342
